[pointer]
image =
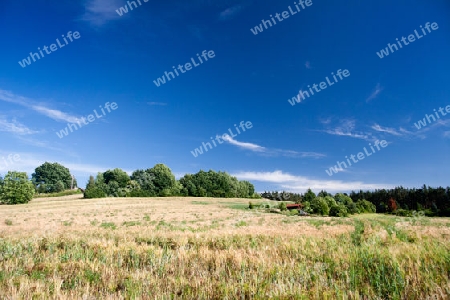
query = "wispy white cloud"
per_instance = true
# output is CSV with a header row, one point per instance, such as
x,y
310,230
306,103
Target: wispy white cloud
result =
x,y
308,65
14,127
55,114
375,93
271,152
300,184
99,12
39,108
389,130
325,121
404,133
290,153
247,146
347,128
230,12
157,103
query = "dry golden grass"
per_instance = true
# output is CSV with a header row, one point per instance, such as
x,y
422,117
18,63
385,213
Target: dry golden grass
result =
x,y
207,248
47,216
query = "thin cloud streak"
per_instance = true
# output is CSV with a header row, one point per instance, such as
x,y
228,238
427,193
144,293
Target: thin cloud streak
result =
x,y
270,152
157,103
100,12
375,93
347,128
247,146
300,184
15,127
39,108
392,131
230,13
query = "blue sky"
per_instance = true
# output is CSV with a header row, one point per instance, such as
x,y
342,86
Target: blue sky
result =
x,y
250,78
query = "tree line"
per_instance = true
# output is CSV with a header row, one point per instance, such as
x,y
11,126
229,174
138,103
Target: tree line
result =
x,y
158,181
432,201
399,201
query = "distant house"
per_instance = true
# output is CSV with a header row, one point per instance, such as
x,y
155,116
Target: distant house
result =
x,y
294,206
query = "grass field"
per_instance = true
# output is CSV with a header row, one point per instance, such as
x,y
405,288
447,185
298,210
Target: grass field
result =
x,y
206,248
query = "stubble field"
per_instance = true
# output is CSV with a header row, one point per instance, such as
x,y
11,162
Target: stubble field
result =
x,y
208,248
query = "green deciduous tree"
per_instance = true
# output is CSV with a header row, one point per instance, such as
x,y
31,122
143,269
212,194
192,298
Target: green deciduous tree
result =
x,y
309,196
215,184
164,180
50,174
119,176
145,181
16,188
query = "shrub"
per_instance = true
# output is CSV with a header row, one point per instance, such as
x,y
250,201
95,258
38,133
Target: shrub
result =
x,y
341,198
16,188
352,208
365,206
251,205
294,212
165,193
94,192
338,210
58,187
139,193
42,188
429,213
403,213
320,206
307,207
282,206
330,201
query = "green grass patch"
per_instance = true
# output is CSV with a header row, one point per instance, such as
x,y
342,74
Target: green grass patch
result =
x,y
200,202
317,222
241,224
108,225
131,223
60,194
236,205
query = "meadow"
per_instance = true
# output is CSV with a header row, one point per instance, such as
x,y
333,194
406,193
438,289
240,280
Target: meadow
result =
x,y
210,248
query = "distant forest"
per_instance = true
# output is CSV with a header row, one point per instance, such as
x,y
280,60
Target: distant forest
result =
x,y
400,200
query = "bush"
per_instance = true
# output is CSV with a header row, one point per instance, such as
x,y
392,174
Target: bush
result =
x,y
58,187
282,206
402,213
365,206
330,201
352,208
339,210
94,192
251,205
429,213
16,188
165,193
139,193
320,206
307,207
294,212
